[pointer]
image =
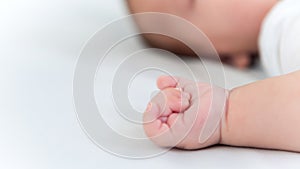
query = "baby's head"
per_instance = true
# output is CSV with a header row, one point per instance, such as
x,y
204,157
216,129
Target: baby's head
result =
x,y
232,26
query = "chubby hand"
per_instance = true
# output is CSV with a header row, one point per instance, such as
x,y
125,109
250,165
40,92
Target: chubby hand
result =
x,y
185,114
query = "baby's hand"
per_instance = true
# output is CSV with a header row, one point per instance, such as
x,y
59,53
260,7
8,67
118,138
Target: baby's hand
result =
x,y
184,114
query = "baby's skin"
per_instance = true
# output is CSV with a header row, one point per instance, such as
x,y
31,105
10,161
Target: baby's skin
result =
x,y
264,114
177,115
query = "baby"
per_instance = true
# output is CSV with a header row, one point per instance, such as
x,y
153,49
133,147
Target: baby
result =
x,y
264,114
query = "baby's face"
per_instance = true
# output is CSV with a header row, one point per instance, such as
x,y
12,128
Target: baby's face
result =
x,y
231,25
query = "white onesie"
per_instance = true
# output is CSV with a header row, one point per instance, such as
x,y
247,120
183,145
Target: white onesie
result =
x,y
279,39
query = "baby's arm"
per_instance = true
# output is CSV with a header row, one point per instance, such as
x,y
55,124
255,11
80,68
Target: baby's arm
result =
x,y
265,114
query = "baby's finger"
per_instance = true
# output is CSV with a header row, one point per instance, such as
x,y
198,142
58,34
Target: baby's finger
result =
x,y
185,104
152,113
164,82
159,133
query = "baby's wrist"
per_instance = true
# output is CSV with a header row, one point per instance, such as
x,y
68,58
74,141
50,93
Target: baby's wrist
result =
x,y
216,121
224,120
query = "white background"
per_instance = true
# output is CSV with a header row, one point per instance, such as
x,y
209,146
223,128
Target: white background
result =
x,y
40,41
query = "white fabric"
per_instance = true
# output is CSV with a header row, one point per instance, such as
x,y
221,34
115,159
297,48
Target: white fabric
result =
x,y
280,38
40,42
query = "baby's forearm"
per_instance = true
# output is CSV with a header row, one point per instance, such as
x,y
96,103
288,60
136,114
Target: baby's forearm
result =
x,y
265,114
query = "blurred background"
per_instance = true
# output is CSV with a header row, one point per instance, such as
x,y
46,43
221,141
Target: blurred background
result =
x,y
40,41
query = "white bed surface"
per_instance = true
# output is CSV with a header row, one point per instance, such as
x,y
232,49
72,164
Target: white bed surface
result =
x,y
40,43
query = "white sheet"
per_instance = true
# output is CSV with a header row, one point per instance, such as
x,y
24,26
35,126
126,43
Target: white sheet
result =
x,y
280,52
40,42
